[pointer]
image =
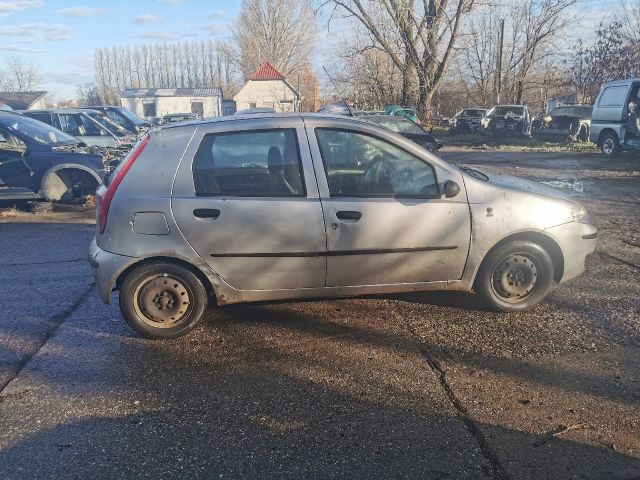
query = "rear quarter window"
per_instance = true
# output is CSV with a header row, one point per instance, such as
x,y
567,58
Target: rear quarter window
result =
x,y
613,96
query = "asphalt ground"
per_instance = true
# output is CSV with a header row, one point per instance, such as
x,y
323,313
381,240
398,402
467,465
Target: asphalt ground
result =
x,y
408,386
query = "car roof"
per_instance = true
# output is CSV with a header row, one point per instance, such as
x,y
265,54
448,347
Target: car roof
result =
x,y
261,116
621,82
59,110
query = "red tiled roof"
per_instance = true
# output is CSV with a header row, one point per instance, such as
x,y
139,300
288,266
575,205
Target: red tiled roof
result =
x,y
267,72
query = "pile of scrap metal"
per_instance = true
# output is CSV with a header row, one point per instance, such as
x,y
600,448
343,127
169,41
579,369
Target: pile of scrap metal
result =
x,y
111,155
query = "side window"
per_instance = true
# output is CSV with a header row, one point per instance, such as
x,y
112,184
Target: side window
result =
x,y
613,96
9,142
69,124
116,117
42,117
197,107
359,165
263,163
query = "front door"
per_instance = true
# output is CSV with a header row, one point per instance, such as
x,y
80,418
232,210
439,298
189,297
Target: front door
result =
x,y
13,169
386,220
248,204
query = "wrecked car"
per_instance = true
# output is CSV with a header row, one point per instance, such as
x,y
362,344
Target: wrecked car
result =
x,y
615,119
507,120
177,117
279,207
75,122
570,122
406,128
466,121
115,128
38,161
124,117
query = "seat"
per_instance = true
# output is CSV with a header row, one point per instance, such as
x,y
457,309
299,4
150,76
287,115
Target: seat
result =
x,y
277,180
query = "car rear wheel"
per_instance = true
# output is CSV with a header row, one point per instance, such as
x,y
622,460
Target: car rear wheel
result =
x,y
610,146
162,300
515,276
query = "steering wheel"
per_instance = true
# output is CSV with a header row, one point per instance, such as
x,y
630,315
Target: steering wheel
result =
x,y
379,173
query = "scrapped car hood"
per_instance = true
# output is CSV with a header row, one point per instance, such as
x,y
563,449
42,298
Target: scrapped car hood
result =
x,y
520,184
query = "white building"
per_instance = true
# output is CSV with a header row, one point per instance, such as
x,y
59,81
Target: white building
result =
x,y
268,88
156,102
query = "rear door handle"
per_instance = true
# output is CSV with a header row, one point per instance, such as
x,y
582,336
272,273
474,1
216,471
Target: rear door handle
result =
x,y
207,213
349,216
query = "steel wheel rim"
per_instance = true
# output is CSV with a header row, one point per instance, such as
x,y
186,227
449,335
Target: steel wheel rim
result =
x,y
163,301
607,146
514,278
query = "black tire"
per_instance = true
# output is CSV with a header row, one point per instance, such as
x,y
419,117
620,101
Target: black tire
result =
x,y
515,276
610,145
153,294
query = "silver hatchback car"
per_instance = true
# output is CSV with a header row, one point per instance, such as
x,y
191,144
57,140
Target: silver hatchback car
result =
x,y
276,207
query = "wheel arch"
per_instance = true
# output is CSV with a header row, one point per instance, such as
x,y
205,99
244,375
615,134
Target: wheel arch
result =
x,y
604,132
53,185
545,241
208,285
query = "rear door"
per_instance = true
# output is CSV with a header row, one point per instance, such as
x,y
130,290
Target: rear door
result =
x,y
386,220
13,168
246,199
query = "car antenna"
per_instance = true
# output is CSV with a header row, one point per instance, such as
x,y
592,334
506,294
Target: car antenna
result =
x,y
334,86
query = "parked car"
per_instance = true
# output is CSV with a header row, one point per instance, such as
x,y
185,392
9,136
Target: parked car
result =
x,y
40,161
124,117
507,120
339,108
615,124
177,117
106,121
568,122
466,121
406,128
75,122
410,113
244,209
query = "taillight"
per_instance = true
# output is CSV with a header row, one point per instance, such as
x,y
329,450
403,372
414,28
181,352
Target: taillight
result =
x,y
104,200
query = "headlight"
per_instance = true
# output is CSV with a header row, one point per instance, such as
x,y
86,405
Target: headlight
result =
x,y
547,119
580,214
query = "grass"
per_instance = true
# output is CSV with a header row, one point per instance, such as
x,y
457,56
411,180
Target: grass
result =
x,y
523,144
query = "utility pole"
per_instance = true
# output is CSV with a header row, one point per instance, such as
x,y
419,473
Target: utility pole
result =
x,y
498,79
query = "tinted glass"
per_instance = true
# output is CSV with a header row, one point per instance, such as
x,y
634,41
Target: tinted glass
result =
x,y
612,97
38,131
396,124
262,163
359,165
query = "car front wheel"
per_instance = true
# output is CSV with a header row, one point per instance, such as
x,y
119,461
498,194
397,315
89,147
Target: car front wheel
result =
x,y
162,300
515,276
610,146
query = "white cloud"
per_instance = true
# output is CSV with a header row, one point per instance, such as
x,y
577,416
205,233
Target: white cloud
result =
x,y
34,32
218,29
18,5
146,19
81,11
18,49
161,36
170,2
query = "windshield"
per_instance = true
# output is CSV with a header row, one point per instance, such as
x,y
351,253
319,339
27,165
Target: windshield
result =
x,y
396,124
507,110
131,116
38,131
106,122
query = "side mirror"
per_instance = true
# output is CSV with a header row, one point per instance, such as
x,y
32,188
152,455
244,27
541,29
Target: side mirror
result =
x,y
451,189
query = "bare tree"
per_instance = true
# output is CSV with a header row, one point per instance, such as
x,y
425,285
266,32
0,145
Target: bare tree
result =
x,y
418,35
281,32
18,74
197,64
88,95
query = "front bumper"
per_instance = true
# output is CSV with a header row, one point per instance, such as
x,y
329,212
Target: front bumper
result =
x,y
576,241
106,267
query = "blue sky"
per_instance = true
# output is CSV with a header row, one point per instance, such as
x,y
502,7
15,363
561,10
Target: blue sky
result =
x,y
61,36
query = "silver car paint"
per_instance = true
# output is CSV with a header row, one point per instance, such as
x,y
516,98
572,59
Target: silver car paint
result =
x,y
494,213
611,118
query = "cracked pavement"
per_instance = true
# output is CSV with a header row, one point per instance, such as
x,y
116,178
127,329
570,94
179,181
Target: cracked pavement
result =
x,y
406,386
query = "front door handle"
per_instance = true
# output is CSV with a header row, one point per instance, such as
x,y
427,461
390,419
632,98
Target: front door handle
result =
x,y
206,213
349,216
